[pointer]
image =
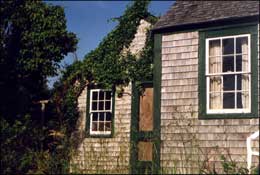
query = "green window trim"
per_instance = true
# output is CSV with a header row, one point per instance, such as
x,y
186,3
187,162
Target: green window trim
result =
x,y
221,32
87,128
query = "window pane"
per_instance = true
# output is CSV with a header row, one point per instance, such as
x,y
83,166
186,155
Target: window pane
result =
x,y
101,116
95,116
242,100
108,126
229,100
101,126
108,105
215,84
94,95
244,63
94,106
228,46
245,100
239,100
228,64
241,45
101,105
241,63
243,82
229,82
239,82
214,48
108,95
238,63
215,101
215,64
101,95
108,116
94,126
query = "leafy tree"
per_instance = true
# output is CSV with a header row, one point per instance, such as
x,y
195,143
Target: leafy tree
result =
x,y
34,39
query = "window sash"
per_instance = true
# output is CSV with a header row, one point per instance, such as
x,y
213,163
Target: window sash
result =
x,y
226,37
98,122
105,100
221,74
91,111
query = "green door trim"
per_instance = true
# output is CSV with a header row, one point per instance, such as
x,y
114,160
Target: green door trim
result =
x,y
156,110
136,136
157,77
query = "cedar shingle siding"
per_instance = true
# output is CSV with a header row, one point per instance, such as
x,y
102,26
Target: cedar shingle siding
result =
x,y
187,142
108,155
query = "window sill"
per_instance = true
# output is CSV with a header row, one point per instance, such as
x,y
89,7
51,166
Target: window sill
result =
x,y
229,111
100,136
204,116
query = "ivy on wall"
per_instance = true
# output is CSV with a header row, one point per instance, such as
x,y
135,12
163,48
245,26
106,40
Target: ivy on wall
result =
x,y
106,66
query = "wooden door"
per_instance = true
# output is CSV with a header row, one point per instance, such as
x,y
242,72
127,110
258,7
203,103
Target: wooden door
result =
x,y
144,141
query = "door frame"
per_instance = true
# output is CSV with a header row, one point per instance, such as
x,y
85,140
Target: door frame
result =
x,y
136,136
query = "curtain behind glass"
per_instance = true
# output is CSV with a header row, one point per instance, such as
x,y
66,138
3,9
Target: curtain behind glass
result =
x,y
215,66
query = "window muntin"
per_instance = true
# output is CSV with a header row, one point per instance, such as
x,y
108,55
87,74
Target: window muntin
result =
x,y
100,112
228,74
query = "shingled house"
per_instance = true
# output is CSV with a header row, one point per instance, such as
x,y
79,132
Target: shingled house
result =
x,y
202,103
104,125
206,83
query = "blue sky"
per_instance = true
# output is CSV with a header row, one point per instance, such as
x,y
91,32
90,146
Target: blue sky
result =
x,y
89,20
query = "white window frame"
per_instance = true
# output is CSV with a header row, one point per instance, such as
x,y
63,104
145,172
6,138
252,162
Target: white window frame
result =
x,y
208,75
98,111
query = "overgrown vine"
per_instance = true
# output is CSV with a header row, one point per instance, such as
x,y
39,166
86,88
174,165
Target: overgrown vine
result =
x,y
106,66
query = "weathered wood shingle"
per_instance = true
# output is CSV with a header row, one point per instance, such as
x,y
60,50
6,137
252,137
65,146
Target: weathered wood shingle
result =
x,y
193,12
108,155
187,143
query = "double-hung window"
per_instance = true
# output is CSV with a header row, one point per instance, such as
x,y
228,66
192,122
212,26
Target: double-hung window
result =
x,y
100,112
228,72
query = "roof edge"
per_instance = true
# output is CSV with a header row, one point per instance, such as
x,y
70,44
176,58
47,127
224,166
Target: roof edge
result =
x,y
213,23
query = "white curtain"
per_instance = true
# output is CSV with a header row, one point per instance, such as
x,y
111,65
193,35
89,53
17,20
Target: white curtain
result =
x,y
245,77
215,67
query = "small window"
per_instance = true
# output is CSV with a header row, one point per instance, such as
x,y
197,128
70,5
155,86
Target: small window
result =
x,y
100,111
228,74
